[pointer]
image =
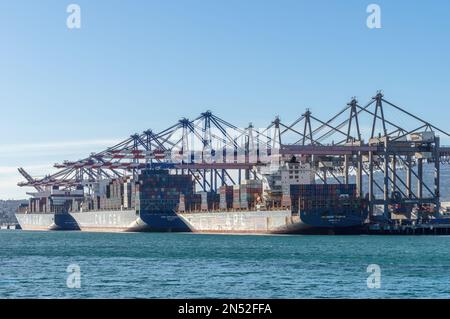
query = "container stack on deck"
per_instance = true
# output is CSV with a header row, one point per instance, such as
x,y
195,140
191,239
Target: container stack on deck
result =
x,y
112,199
56,201
209,201
34,205
128,191
310,196
152,190
286,200
226,197
251,194
236,197
158,190
191,202
201,201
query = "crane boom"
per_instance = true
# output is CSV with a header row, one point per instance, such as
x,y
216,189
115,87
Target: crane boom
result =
x,y
30,179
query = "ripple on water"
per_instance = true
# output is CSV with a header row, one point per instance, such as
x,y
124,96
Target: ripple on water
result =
x,y
33,265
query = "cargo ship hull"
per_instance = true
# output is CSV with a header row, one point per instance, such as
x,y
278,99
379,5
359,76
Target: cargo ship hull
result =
x,y
46,221
273,222
129,221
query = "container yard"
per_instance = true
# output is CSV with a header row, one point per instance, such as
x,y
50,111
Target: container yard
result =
x,y
308,176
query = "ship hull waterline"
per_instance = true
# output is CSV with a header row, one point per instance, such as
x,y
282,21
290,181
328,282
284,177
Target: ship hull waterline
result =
x,y
46,222
272,222
129,221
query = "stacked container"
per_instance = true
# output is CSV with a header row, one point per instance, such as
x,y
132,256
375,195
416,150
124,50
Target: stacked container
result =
x,y
97,202
286,201
158,190
312,196
182,204
236,197
133,195
209,200
193,202
226,197
204,200
213,201
49,206
114,198
251,193
127,194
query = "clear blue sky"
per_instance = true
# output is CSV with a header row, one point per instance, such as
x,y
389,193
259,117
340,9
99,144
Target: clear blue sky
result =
x,y
135,65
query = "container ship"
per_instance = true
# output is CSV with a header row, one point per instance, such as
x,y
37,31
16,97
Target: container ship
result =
x,y
144,203
281,201
285,202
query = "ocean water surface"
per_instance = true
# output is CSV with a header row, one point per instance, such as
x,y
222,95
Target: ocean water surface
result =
x,y
169,265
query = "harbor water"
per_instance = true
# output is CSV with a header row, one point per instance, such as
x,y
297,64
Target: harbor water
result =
x,y
169,265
